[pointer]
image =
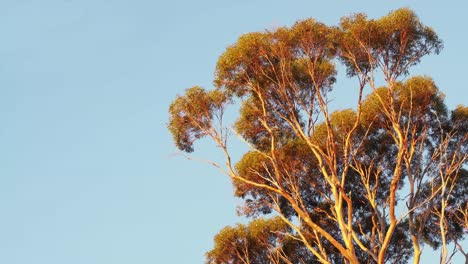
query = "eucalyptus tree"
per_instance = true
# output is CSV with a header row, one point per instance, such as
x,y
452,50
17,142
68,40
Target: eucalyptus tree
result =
x,y
365,185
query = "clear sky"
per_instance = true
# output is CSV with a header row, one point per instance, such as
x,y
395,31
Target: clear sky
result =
x,y
87,171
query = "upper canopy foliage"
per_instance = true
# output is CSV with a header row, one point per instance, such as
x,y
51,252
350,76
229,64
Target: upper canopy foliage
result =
x,y
394,42
192,114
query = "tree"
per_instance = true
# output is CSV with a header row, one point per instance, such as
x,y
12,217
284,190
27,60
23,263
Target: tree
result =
x,y
366,185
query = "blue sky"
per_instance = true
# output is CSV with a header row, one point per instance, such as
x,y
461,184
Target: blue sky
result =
x,y
87,167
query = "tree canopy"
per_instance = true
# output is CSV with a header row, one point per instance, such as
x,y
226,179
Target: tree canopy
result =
x,y
367,185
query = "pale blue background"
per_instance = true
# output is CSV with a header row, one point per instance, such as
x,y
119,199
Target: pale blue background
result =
x,y
87,171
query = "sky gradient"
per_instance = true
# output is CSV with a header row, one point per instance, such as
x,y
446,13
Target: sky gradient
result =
x,y
88,170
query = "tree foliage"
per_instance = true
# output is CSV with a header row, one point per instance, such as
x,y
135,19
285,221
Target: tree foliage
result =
x,y
367,185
